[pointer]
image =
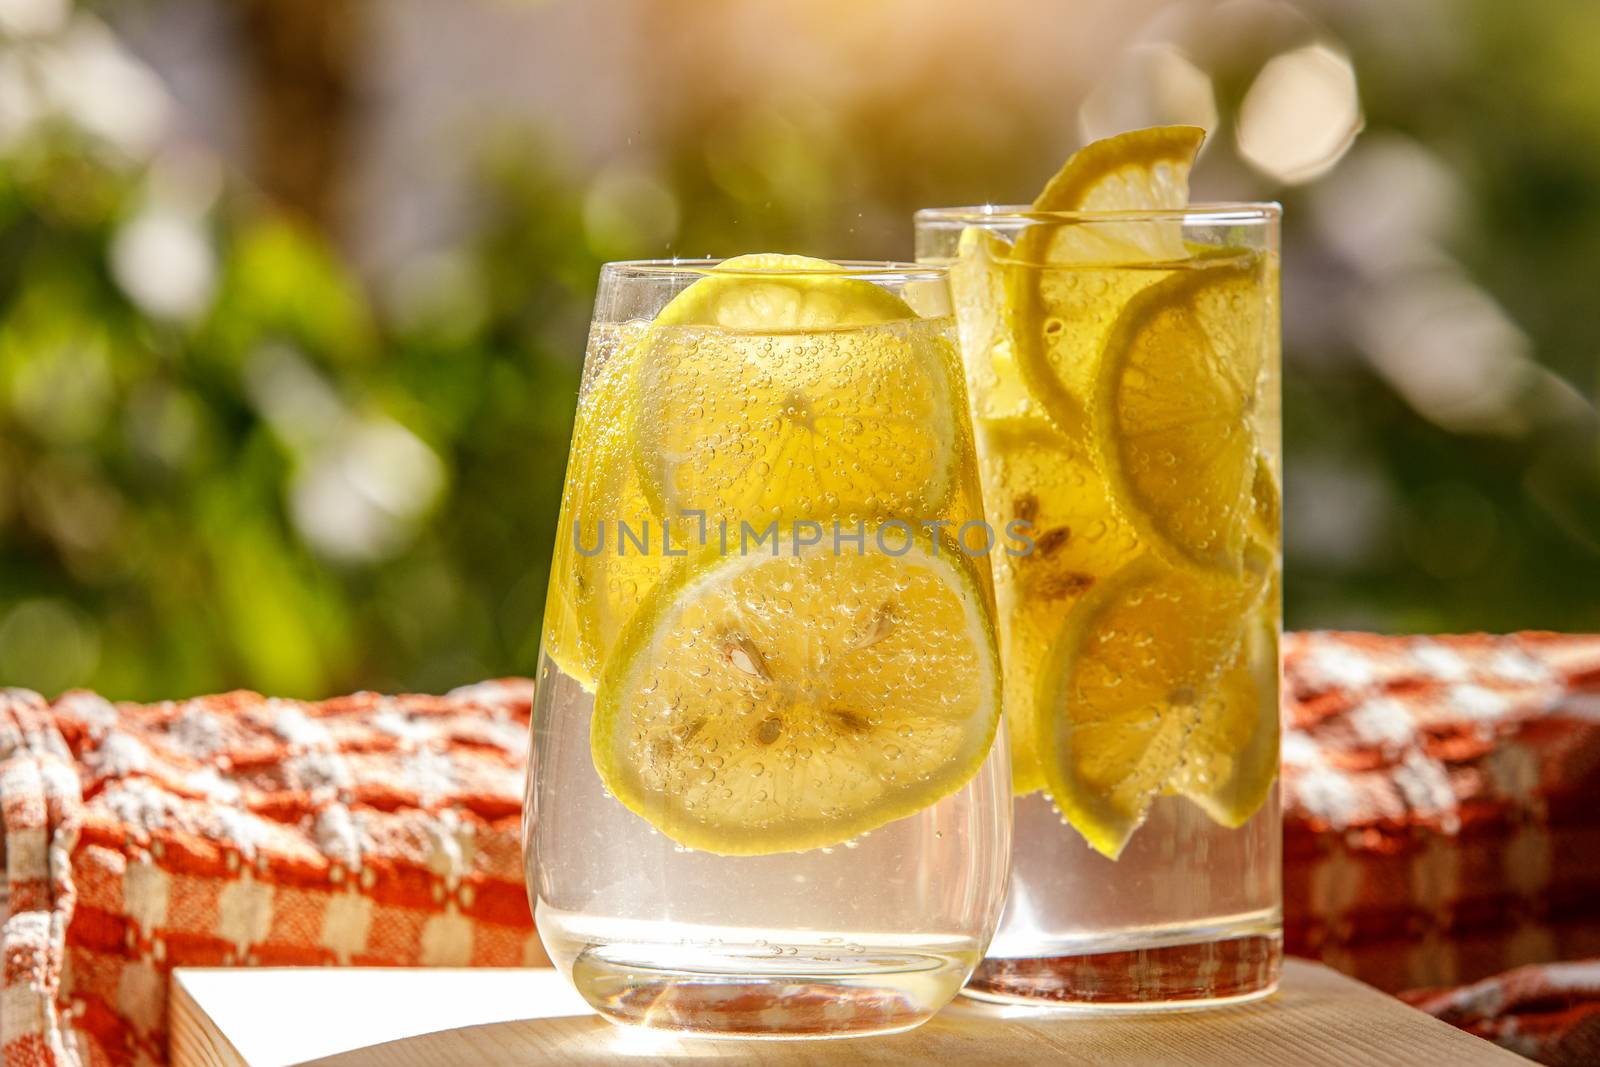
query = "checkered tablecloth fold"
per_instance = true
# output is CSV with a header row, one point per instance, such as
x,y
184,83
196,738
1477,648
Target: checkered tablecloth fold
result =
x,y
242,830
1548,1012
40,808
1441,803
1441,823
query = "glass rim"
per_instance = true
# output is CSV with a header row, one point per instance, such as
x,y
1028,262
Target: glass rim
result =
x,y
1208,213
874,270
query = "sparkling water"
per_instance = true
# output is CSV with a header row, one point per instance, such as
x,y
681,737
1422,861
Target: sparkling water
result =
x,y
871,935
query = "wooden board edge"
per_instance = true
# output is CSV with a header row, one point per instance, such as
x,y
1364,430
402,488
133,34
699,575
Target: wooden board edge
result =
x,y
193,1040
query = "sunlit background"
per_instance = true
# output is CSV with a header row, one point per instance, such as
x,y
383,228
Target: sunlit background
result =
x,y
293,293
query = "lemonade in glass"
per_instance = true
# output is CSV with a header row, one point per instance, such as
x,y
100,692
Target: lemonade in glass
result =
x,y
766,795
1122,355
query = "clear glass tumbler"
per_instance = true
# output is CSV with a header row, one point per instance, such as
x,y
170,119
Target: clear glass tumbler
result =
x,y
769,793
1124,374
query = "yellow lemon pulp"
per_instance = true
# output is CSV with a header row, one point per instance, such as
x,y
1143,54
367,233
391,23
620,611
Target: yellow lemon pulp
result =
x,y
1060,317
1231,759
591,585
814,694
1129,688
1176,395
779,386
1063,533
683,377
772,703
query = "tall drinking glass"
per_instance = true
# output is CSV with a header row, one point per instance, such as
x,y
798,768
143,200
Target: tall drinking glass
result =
x,y
766,795
1123,370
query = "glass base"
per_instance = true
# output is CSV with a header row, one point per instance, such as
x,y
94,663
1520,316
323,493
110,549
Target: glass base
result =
x,y
790,996
1180,977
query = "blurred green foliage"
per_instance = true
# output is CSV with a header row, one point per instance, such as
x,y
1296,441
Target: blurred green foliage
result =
x,y
225,460
150,544
1492,528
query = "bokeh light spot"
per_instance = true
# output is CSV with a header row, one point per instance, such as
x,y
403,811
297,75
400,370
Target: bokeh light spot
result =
x,y
163,261
91,78
363,496
1300,115
33,18
1392,205
1450,350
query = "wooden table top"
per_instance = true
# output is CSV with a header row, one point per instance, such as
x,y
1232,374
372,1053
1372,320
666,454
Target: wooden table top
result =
x,y
347,1018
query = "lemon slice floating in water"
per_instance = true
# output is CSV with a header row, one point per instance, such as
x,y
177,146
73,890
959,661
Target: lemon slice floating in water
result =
x,y
775,291
772,703
1074,534
1231,759
1175,402
784,386
1128,691
590,584
1060,316
675,401
1146,355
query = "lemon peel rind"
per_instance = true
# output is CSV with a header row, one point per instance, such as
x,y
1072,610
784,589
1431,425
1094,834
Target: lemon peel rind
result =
x,y
603,404
1069,191
1106,831
1090,165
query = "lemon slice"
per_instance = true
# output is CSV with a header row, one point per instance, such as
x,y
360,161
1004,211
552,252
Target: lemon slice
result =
x,y
1127,683
1175,401
1141,170
1062,530
586,574
1266,505
611,549
774,703
1060,316
772,291
977,286
783,389
1231,759
600,573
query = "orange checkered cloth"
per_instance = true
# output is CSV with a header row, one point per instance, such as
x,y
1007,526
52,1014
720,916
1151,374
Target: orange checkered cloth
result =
x,y
1441,803
1548,1012
1441,823
238,829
